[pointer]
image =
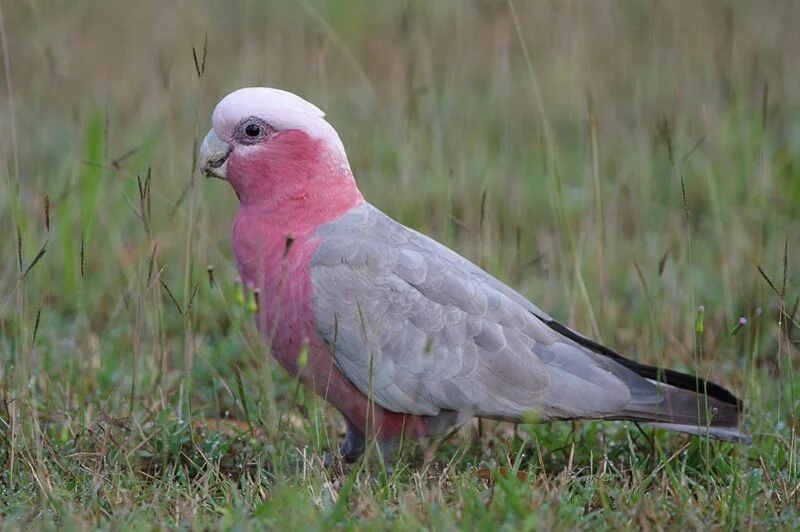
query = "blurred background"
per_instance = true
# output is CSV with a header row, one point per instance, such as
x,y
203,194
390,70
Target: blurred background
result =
x,y
620,163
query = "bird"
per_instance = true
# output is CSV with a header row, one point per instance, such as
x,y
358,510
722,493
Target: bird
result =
x,y
404,336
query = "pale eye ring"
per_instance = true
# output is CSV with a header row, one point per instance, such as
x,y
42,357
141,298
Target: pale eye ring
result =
x,y
251,130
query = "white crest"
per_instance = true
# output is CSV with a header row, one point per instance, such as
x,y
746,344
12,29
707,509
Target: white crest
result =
x,y
278,108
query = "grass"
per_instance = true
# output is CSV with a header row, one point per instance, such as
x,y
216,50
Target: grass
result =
x,y
619,163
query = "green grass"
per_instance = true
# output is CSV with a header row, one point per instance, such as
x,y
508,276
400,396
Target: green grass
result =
x,y
642,161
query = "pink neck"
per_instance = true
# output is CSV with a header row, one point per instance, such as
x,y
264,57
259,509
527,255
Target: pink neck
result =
x,y
289,186
294,177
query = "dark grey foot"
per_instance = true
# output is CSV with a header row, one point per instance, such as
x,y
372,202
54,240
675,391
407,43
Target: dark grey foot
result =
x,y
353,445
389,454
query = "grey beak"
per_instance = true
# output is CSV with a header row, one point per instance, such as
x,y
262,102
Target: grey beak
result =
x,y
213,159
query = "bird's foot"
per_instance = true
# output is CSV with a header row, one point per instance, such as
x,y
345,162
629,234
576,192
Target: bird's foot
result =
x,y
389,451
351,448
353,445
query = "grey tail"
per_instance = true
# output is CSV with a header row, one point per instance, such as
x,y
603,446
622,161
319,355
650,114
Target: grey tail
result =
x,y
691,412
682,402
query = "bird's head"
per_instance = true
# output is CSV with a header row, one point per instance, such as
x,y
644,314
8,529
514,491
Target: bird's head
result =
x,y
274,148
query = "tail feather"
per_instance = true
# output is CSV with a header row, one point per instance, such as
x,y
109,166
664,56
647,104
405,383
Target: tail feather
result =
x,y
733,435
691,412
683,402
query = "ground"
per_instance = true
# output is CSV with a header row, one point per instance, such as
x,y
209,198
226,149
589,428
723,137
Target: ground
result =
x,y
622,164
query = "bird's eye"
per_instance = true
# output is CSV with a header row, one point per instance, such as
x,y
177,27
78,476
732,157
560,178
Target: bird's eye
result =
x,y
252,130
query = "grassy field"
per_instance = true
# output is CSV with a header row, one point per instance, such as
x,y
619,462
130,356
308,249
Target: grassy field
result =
x,y
620,163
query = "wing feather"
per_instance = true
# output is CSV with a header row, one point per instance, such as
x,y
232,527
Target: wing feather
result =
x,y
440,334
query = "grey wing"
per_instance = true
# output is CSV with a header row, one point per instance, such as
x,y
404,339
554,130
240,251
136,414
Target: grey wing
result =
x,y
421,329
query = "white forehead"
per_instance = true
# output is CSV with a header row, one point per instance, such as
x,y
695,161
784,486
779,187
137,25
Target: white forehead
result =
x,y
278,108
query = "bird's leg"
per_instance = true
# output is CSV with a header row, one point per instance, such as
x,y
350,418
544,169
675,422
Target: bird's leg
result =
x,y
353,445
389,453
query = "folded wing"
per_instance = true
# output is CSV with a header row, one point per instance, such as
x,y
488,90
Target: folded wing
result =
x,y
422,330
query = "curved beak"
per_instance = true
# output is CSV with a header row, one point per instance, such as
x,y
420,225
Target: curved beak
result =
x,y
213,159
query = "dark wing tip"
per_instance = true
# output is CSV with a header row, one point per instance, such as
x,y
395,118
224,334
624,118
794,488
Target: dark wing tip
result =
x,y
667,376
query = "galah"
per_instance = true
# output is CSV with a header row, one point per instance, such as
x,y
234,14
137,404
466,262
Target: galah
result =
x,y
401,334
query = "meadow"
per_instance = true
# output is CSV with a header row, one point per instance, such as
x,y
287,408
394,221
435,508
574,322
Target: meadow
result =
x,y
622,164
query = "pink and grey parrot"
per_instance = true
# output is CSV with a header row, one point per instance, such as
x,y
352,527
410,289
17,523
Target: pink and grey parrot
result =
x,y
401,334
